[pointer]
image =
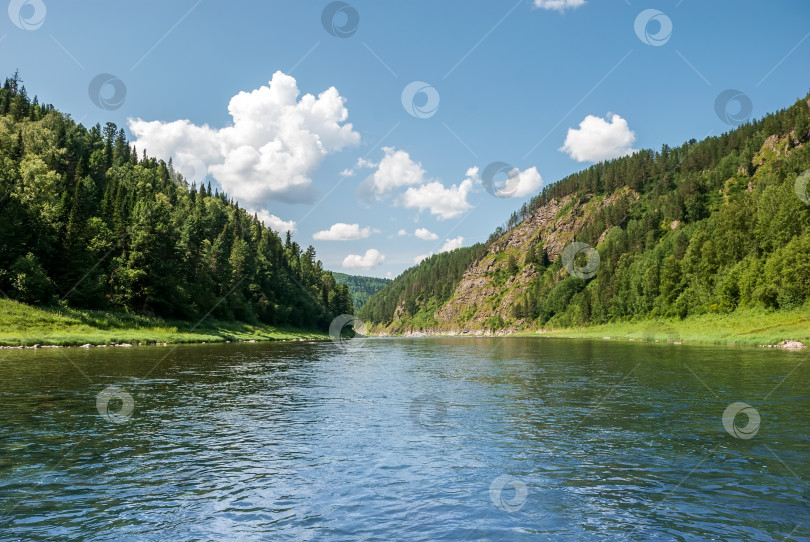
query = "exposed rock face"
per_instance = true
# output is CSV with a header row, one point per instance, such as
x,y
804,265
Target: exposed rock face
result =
x,y
480,295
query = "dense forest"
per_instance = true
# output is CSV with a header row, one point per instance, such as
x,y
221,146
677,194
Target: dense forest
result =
x,y
713,226
361,288
89,221
430,283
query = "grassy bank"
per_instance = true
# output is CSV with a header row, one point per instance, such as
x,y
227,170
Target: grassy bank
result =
x,y
26,325
752,328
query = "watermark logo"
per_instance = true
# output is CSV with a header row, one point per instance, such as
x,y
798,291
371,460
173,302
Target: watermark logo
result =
x,y
495,184
730,420
107,91
348,332
733,116
420,100
428,411
572,255
27,14
499,496
802,185
649,18
193,170
663,332
340,19
112,398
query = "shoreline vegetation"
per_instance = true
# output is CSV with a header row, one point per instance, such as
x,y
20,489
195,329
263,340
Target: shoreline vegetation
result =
x,y
27,326
758,328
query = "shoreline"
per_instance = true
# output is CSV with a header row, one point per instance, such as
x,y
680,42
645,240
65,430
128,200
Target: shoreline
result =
x,y
788,330
38,346
27,327
785,344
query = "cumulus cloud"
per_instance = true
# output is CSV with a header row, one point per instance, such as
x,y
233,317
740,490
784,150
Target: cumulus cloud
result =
x,y
342,232
444,203
277,140
559,5
599,139
372,258
421,257
275,223
347,173
402,233
395,170
426,234
517,184
529,182
452,244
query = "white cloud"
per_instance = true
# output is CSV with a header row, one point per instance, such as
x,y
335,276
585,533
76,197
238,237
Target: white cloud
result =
x,y
402,233
529,182
275,223
559,5
389,275
372,258
395,170
519,184
275,143
347,173
452,244
443,202
363,163
598,139
342,232
421,257
426,234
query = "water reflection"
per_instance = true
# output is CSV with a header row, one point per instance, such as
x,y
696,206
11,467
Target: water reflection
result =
x,y
430,439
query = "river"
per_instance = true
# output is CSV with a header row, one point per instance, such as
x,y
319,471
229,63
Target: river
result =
x,y
405,439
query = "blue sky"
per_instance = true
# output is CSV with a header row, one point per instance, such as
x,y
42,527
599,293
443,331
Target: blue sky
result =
x,y
546,86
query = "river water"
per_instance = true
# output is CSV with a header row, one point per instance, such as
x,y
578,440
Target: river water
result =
x,y
405,439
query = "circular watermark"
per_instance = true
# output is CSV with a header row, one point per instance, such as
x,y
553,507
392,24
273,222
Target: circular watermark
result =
x,y
651,17
731,115
428,411
114,394
420,100
348,332
801,186
499,499
494,182
27,14
569,260
193,170
340,19
730,417
667,333
107,91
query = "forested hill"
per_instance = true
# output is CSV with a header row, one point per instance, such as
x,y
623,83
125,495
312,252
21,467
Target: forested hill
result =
x,y
88,221
361,288
707,227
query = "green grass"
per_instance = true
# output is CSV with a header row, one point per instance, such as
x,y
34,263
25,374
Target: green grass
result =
x,y
24,325
743,327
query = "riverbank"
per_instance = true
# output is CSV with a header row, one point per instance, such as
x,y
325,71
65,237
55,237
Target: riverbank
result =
x,y
741,328
24,325
753,327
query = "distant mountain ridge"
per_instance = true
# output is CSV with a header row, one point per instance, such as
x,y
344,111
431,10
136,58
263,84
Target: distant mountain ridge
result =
x,y
360,287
